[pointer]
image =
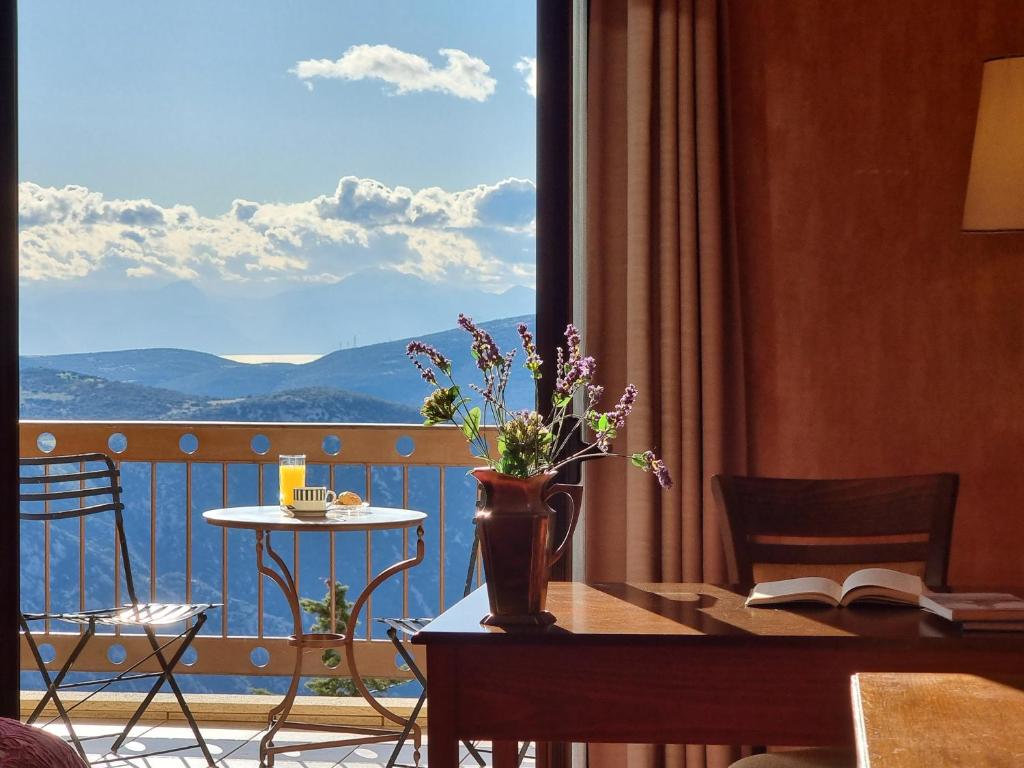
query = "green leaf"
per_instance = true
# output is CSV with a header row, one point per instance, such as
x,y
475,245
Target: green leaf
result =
x,y
471,426
638,460
561,402
602,423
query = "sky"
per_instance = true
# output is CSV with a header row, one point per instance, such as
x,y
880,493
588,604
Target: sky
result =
x,y
270,141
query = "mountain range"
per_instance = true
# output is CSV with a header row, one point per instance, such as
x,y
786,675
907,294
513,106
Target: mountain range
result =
x,y
368,307
189,383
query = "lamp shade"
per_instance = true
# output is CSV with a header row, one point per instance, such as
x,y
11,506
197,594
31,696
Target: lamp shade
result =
x,y
995,187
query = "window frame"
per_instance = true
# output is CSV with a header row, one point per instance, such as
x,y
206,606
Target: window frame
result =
x,y
554,256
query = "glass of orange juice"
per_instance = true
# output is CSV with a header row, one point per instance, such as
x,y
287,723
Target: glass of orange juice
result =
x,y
291,475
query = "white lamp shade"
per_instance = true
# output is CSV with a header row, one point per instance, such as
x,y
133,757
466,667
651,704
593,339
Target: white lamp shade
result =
x,y
995,187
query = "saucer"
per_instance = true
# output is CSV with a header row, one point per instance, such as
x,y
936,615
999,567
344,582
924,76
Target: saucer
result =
x,y
305,511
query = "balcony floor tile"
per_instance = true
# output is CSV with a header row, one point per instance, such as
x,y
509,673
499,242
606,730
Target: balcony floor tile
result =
x,y
239,748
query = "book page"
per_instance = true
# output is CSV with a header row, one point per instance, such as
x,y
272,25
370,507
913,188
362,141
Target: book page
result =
x,y
882,584
809,589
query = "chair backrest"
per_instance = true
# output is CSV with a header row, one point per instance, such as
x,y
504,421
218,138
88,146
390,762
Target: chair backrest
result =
x,y
76,486
775,528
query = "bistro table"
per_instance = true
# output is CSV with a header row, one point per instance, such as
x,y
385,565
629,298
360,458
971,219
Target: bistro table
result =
x,y
265,520
677,664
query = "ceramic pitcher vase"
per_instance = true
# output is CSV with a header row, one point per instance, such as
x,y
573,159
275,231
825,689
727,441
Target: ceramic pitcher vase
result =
x,y
513,523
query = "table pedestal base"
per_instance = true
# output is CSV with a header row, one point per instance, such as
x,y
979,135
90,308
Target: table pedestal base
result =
x,y
304,642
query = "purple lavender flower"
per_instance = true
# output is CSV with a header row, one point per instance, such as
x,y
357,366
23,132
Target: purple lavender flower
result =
x,y
577,371
483,347
648,462
572,340
625,405
417,348
533,361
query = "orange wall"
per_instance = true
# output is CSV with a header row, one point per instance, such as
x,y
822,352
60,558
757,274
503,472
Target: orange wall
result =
x,y
880,339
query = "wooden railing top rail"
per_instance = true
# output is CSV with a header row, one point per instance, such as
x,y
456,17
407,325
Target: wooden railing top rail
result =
x,y
234,441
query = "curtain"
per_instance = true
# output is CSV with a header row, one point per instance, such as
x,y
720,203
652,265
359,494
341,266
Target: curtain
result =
x,y
662,303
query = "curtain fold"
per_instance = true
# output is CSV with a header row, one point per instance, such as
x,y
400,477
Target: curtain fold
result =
x,y
662,307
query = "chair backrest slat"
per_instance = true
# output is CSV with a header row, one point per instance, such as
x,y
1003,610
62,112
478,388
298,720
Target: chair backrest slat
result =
x,y
71,477
59,472
76,512
77,493
857,522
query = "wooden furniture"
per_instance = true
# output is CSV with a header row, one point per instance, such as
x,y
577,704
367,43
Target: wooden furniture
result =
x,y
676,663
777,528
83,487
780,528
925,720
268,519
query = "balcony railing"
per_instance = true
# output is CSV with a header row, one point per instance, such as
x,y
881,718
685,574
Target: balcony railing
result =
x,y
173,471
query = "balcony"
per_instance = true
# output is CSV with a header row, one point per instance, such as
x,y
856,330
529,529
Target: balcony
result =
x,y
171,473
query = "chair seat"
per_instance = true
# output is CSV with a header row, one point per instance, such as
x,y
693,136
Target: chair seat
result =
x,y
818,757
156,614
406,626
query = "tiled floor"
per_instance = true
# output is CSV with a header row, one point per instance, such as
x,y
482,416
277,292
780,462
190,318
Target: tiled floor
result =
x,y
239,748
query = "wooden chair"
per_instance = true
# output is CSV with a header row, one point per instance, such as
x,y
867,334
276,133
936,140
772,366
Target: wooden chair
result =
x,y
775,528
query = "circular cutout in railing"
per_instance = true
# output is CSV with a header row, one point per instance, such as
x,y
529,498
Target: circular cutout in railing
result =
x,y
400,664
189,657
188,443
260,444
116,654
405,445
259,656
46,442
331,659
332,445
47,652
117,442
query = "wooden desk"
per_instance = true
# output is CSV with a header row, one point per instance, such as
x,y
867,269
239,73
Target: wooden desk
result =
x,y
676,663
924,720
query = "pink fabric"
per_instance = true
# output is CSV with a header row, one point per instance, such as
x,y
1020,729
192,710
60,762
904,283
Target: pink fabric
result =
x,y
22,746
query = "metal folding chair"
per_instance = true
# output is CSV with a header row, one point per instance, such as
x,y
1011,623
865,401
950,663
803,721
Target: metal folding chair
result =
x,y
80,486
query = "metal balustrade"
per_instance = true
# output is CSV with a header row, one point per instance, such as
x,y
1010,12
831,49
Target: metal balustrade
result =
x,y
173,471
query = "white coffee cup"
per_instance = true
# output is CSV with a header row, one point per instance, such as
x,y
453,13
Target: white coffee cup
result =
x,y
312,498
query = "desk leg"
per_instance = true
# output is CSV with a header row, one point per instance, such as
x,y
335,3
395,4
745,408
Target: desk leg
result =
x,y
442,681
505,754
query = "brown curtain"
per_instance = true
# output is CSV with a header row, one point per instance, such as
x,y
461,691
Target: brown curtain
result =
x,y
662,303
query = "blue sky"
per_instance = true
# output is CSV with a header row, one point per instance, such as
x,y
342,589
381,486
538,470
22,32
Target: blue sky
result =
x,y
155,137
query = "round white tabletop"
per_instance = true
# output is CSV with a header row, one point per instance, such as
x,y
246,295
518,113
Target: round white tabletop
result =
x,y
271,518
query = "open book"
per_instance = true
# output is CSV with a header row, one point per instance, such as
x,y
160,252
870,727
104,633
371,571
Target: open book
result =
x,y
881,585
875,584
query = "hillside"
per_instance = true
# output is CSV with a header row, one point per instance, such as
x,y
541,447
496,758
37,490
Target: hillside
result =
x,y
377,370
52,394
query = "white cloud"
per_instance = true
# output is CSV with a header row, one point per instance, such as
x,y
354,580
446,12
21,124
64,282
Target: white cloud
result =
x,y
482,236
464,76
527,67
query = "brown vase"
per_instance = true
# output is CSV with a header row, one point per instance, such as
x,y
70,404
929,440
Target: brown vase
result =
x,y
513,523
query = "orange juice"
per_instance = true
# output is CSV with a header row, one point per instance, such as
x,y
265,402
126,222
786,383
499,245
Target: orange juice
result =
x,y
290,477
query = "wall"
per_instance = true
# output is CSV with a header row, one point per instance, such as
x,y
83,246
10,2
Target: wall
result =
x,y
880,339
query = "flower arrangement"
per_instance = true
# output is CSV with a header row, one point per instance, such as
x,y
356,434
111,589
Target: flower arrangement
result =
x,y
527,443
